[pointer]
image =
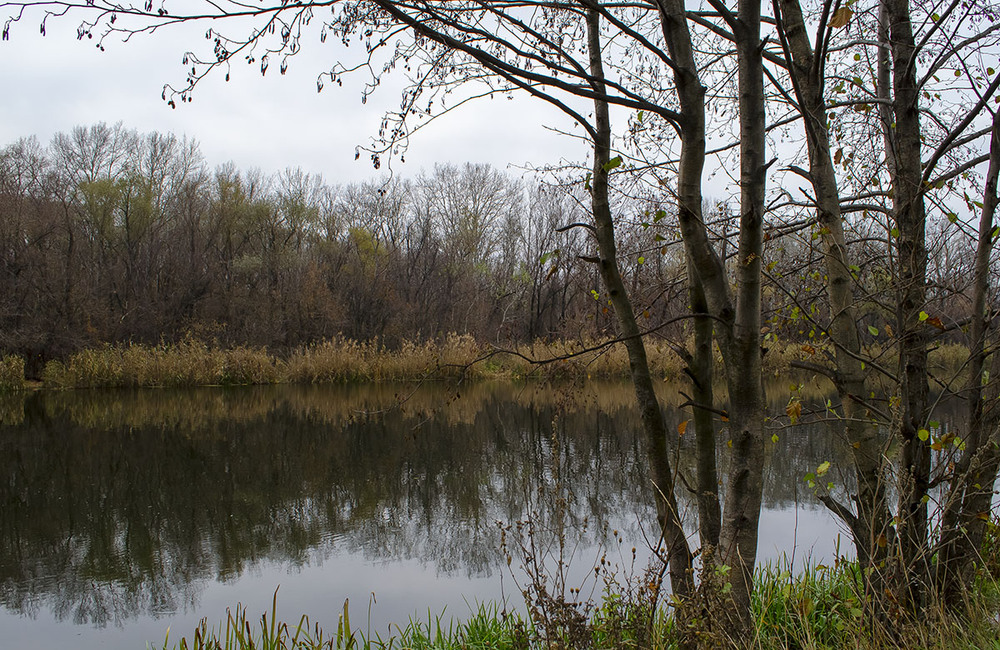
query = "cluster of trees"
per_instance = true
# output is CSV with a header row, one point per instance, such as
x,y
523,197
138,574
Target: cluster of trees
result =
x,y
110,236
853,128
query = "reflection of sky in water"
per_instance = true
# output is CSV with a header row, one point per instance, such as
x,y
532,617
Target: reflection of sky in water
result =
x,y
385,592
430,543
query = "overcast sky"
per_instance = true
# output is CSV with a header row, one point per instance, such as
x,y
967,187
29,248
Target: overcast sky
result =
x,y
53,83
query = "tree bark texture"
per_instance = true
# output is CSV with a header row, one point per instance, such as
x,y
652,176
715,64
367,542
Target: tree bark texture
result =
x,y
910,231
691,95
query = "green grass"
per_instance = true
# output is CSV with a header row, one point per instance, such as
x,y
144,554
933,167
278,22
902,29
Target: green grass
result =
x,y
488,628
817,609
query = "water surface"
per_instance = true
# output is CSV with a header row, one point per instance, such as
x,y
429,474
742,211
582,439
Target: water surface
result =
x,y
125,512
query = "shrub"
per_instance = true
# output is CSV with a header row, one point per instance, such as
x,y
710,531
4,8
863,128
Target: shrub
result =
x,y
11,373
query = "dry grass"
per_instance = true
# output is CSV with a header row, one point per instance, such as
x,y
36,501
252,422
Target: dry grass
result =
x,y
587,358
341,360
346,360
189,363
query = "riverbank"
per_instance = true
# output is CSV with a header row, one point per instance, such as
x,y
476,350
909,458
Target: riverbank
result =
x,y
340,360
818,609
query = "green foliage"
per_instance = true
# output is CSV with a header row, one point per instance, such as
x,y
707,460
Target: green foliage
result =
x,y
487,628
11,373
818,609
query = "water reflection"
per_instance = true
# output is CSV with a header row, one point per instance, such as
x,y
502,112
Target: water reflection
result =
x,y
118,505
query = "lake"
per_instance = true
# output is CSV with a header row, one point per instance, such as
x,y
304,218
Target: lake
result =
x,y
125,512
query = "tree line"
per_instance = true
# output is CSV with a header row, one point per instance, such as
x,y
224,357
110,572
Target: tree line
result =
x,y
111,236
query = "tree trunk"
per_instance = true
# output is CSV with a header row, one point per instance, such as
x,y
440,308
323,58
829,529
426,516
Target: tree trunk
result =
x,y
870,522
910,224
741,514
691,95
737,328
652,416
971,491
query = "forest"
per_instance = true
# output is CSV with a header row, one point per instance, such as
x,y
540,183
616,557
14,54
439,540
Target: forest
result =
x,y
110,236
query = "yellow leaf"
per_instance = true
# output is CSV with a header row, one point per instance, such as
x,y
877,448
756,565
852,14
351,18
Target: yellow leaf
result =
x,y
729,443
841,17
823,468
794,410
682,427
724,419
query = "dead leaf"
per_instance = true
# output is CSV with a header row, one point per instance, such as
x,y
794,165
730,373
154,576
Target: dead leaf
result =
x,y
841,17
794,410
682,427
936,322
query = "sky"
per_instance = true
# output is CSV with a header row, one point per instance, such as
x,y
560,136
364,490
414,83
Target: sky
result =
x,y
54,83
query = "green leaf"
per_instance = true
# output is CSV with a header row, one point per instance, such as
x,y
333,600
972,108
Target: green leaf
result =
x,y
873,330
774,437
895,233
923,316
952,217
823,468
613,163
923,434
642,260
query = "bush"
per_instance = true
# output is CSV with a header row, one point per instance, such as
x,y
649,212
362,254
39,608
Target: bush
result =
x,y
11,373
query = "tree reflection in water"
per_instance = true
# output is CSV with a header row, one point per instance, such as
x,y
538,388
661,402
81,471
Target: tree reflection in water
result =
x,y
126,504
